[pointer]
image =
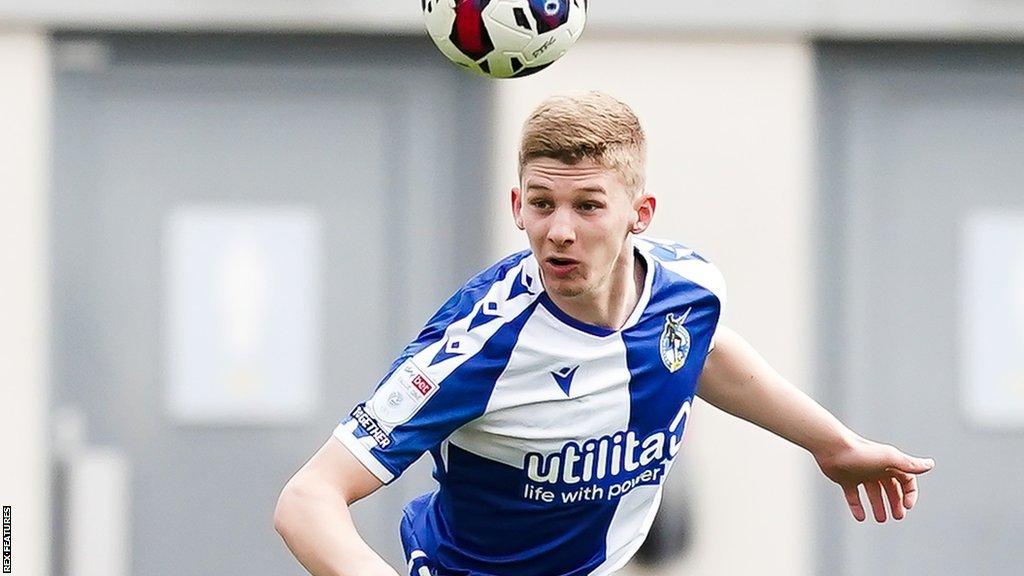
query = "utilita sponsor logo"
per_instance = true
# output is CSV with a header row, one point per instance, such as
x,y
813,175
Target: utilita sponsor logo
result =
x,y
607,456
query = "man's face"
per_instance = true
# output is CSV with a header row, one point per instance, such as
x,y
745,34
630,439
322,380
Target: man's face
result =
x,y
577,217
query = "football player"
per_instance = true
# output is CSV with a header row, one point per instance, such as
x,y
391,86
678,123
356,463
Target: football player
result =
x,y
553,388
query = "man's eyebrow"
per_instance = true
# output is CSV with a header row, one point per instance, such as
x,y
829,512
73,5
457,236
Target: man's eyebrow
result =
x,y
593,188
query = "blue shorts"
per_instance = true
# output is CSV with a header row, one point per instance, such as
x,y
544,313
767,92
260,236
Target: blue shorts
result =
x,y
419,563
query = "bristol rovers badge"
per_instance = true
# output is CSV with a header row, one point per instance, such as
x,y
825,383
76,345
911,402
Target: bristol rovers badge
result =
x,y
675,341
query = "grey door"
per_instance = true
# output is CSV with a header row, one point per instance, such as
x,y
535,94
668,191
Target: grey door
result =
x,y
917,137
382,139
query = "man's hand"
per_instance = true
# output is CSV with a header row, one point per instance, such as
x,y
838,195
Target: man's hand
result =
x,y
737,380
880,468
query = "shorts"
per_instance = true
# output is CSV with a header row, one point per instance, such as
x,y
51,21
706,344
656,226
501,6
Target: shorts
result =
x,y
419,563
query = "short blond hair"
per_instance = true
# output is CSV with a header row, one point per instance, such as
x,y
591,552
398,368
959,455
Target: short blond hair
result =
x,y
572,127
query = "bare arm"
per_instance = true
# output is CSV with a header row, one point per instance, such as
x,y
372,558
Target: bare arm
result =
x,y
312,515
739,381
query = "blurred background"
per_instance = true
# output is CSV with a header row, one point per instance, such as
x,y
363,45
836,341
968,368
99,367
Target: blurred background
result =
x,y
220,221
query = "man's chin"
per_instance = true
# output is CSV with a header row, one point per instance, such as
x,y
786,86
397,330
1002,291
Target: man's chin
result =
x,y
567,289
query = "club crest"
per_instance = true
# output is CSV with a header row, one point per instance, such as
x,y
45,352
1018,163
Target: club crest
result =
x,y
675,341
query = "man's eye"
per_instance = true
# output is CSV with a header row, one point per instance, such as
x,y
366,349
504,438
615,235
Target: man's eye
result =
x,y
589,206
541,204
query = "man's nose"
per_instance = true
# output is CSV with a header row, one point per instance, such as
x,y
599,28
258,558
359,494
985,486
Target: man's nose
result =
x,y
563,228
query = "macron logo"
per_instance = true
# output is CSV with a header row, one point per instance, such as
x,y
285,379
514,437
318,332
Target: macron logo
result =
x,y
563,376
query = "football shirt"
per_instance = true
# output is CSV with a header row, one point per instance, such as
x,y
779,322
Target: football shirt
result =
x,y
551,438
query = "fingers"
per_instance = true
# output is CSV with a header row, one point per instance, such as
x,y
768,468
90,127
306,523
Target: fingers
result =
x,y
897,485
853,500
900,490
908,484
892,493
874,492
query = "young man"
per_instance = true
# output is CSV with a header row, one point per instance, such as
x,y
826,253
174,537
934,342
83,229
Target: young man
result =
x,y
552,389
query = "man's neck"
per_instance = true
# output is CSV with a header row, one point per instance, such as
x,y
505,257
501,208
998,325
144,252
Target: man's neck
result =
x,y
611,307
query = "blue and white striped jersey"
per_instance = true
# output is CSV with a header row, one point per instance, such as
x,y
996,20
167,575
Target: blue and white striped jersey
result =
x,y
550,437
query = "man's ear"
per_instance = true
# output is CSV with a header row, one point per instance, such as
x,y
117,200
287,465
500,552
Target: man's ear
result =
x,y
644,206
517,207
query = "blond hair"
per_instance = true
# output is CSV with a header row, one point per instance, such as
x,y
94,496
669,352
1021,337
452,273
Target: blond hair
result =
x,y
573,127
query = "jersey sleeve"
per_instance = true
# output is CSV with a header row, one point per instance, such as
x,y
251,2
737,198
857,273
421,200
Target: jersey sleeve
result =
x,y
410,413
687,263
442,380
717,286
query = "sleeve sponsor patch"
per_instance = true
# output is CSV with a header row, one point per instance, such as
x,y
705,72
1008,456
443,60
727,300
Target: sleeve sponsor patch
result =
x,y
372,428
401,396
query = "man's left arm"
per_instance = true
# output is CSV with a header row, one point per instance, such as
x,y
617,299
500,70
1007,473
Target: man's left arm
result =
x,y
739,381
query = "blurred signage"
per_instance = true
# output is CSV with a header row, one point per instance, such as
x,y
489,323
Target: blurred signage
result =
x,y
992,306
242,291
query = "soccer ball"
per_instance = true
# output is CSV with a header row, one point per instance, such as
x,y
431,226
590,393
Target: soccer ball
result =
x,y
504,38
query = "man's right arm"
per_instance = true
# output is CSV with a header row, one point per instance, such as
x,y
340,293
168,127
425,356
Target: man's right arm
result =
x,y
312,515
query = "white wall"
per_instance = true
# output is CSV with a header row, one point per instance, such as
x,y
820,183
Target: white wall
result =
x,y
24,346
862,18
729,128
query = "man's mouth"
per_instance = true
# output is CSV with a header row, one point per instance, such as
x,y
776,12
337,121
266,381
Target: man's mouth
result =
x,y
557,261
561,267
